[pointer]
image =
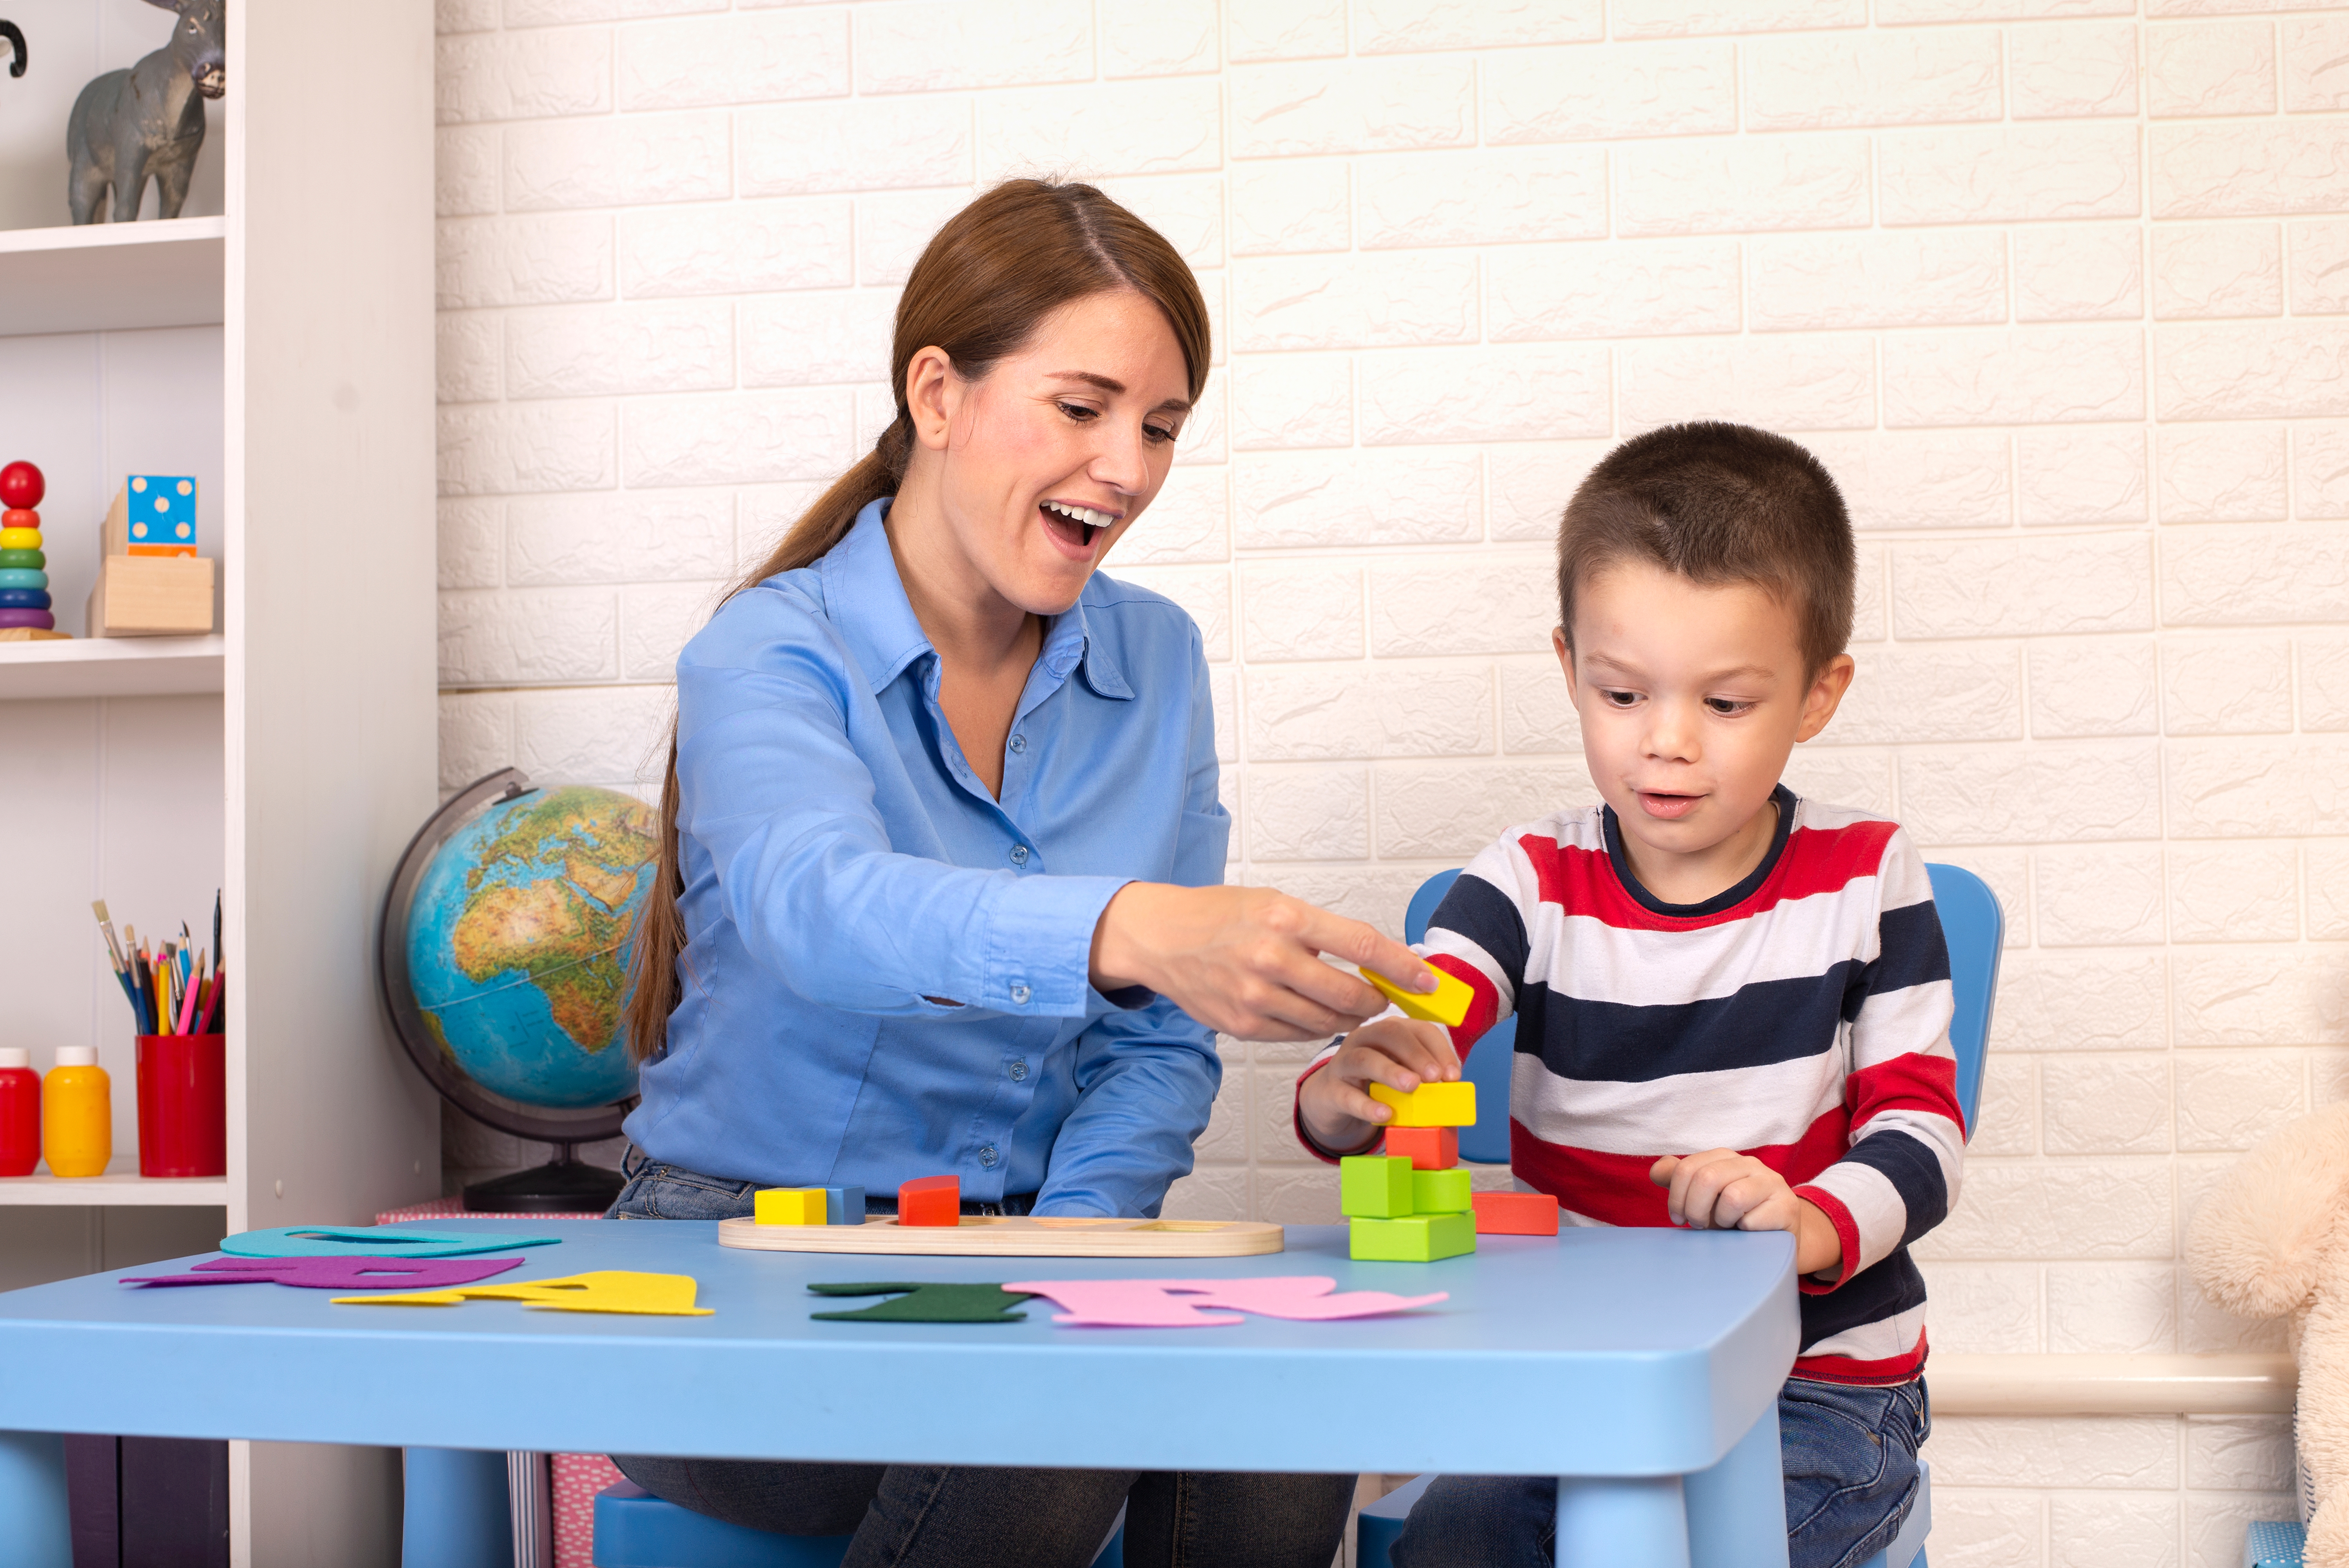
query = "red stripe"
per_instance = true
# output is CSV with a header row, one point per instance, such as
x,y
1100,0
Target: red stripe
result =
x,y
1615,1189
1911,1081
1847,1369
1484,1007
1817,860
1846,1231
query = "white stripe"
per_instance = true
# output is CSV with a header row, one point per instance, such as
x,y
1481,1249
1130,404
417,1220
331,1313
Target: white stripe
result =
x,y
1913,1020
1879,1341
1876,1211
1741,1108
1799,938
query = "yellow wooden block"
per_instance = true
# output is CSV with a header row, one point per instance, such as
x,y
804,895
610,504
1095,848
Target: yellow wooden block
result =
x,y
1447,1004
789,1206
1431,1105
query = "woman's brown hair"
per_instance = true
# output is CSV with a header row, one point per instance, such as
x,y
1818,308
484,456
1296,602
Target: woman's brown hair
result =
x,y
983,285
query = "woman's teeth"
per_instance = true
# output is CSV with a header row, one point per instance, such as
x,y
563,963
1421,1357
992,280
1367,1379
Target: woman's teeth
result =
x,y
1087,521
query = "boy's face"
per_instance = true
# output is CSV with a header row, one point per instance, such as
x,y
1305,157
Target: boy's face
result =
x,y
1691,697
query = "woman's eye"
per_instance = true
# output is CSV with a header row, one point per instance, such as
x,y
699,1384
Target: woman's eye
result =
x,y
1079,412
1159,435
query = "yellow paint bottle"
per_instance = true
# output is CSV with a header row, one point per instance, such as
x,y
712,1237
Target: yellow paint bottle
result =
x,y
77,1114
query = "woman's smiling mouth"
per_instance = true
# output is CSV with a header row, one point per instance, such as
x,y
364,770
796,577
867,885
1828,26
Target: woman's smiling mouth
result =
x,y
1073,527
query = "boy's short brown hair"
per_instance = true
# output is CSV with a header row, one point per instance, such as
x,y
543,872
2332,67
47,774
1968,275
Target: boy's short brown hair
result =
x,y
1718,503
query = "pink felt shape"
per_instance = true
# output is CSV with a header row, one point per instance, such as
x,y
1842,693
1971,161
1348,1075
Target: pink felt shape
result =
x,y
1179,1304
345,1274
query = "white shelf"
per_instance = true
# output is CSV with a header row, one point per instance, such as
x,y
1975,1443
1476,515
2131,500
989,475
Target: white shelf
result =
x,y
120,1186
112,667
112,277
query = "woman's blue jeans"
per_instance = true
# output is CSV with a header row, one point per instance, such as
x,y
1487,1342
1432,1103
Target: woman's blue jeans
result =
x,y
938,1516
1850,1458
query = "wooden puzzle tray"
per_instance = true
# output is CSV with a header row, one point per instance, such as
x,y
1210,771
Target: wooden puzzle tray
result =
x,y
1004,1236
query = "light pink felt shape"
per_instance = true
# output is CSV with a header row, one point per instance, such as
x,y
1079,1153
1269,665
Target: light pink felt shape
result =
x,y
1177,1303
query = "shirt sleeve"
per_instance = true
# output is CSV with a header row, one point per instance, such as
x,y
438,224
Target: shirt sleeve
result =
x,y
1146,1077
1478,934
1899,1174
771,788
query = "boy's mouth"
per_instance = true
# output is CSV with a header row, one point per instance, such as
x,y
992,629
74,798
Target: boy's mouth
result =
x,y
1072,527
1668,806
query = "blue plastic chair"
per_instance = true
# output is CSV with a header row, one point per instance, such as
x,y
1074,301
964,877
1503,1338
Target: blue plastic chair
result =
x,y
634,1529
1975,928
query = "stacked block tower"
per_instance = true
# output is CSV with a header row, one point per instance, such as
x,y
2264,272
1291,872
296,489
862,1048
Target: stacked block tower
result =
x,y
24,606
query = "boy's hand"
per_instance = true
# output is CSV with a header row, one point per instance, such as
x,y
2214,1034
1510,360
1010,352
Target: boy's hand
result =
x,y
1401,1052
1722,1189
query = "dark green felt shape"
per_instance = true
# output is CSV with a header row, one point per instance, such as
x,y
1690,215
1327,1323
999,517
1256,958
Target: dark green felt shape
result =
x,y
922,1302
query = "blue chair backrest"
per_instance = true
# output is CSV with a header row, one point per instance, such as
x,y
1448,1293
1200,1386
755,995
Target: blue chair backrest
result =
x,y
1971,923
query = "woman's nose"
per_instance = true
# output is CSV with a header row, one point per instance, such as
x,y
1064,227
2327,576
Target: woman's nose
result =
x,y
1121,462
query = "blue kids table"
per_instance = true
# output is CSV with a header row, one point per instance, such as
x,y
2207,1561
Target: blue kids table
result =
x,y
1640,1367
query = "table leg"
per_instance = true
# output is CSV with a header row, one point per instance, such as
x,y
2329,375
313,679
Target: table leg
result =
x,y
1737,1510
33,1500
456,1513
1621,1523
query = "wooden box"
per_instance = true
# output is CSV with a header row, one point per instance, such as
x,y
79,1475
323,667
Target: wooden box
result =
x,y
152,595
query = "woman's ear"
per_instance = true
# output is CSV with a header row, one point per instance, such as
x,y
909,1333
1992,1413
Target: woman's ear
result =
x,y
931,386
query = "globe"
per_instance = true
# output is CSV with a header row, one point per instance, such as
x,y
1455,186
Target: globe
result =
x,y
504,964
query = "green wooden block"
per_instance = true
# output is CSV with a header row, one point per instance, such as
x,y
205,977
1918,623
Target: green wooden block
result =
x,y
1374,1186
1418,1239
1440,1192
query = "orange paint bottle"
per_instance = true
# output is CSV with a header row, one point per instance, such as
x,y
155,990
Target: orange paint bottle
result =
x,y
77,1114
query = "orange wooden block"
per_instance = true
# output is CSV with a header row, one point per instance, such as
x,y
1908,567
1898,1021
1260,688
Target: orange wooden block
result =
x,y
930,1201
1515,1213
1428,1148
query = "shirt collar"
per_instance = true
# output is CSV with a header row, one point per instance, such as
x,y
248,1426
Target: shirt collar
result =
x,y
868,608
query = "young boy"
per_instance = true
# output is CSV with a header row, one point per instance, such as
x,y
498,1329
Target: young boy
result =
x,y
1734,1004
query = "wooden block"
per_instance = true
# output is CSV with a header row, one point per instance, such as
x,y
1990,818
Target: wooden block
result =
x,y
1374,1186
843,1206
153,515
32,634
1421,1239
1447,1004
1431,1105
151,596
1515,1214
1427,1149
930,1201
788,1206
1439,1191
1012,1236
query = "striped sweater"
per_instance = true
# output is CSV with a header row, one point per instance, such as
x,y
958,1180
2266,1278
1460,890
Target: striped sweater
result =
x,y
1801,1017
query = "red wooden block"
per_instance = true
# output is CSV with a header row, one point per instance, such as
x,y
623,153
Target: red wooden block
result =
x,y
937,1200
1515,1213
1428,1148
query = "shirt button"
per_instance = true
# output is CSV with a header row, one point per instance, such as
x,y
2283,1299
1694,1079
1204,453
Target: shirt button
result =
x,y
1019,996
987,1157
1020,855
1018,744
1019,1071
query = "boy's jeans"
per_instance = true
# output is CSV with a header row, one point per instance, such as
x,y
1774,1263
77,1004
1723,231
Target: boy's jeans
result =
x,y
935,1516
1850,1457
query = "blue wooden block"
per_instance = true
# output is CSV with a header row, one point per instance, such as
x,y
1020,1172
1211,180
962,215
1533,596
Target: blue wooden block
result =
x,y
161,514
843,1206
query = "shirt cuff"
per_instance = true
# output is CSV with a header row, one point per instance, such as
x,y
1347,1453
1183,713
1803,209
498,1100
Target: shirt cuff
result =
x,y
1846,1231
1036,948
1296,1112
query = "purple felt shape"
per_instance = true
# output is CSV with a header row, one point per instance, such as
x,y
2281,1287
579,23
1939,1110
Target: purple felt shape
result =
x,y
339,1273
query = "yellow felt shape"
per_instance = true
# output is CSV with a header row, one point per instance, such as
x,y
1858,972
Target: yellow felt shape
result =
x,y
1447,1004
788,1206
1430,1105
608,1290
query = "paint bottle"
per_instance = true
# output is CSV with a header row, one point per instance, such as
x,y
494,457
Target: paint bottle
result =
x,y
77,1114
20,1112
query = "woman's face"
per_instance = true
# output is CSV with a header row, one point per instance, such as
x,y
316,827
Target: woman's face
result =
x,y
1044,463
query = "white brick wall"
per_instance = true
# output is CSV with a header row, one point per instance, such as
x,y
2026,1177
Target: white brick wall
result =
x,y
2059,288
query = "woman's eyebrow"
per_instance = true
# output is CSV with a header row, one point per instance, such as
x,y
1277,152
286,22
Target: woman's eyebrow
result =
x,y
1109,384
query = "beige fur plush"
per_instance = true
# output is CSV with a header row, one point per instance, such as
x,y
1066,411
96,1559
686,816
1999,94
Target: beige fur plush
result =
x,y
2272,1240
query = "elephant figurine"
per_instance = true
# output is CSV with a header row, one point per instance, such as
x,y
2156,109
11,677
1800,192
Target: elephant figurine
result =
x,y
127,125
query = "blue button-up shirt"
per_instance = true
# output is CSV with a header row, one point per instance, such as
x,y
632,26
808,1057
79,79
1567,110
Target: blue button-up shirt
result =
x,y
884,974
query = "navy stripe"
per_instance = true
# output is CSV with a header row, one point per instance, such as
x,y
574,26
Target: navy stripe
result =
x,y
1768,1022
1475,910
1890,1288
1911,950
1915,1175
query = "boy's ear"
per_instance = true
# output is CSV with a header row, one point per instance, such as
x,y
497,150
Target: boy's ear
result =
x,y
1826,695
1565,651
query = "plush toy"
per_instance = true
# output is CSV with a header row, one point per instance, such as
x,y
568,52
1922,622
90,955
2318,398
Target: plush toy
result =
x,y
2272,1240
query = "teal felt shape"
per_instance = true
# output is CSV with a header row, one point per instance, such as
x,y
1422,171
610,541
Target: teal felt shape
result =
x,y
371,1240
913,1301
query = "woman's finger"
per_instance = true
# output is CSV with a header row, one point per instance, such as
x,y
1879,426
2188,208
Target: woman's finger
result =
x,y
1363,947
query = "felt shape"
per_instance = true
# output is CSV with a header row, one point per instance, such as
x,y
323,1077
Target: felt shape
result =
x,y
1430,1105
1183,1303
788,1206
926,1303
371,1240
1427,1149
1447,1004
930,1201
1515,1214
1376,1185
1440,1192
337,1273
604,1289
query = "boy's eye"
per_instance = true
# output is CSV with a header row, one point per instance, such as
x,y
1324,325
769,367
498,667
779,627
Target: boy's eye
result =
x,y
1727,707
1618,699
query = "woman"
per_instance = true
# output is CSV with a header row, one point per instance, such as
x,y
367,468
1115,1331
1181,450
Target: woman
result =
x,y
940,852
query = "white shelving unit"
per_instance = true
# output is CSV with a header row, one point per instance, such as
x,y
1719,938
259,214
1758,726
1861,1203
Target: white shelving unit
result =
x,y
282,353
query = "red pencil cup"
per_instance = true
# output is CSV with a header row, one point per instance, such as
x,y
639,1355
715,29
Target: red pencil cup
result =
x,y
183,1105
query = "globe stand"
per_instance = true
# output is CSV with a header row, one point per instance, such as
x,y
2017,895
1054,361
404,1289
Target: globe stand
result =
x,y
562,1185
